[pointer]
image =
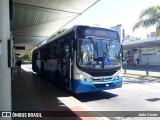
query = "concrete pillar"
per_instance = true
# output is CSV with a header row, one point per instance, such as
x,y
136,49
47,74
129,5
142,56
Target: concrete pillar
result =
x,y
5,71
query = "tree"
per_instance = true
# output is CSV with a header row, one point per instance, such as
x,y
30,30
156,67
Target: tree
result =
x,y
149,17
27,57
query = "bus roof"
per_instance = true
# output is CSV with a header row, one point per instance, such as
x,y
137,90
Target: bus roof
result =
x,y
58,36
74,28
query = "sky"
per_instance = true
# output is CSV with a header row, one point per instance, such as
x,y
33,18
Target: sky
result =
x,y
108,13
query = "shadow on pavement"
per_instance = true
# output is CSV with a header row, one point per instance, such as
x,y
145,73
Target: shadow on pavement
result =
x,y
153,99
93,96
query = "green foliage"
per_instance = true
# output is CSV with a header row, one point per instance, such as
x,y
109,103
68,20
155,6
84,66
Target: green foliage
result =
x,y
27,57
158,31
149,17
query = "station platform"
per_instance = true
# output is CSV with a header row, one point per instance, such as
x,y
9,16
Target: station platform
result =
x,y
33,93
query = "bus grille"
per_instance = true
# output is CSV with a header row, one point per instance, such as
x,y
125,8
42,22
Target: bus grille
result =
x,y
96,74
101,79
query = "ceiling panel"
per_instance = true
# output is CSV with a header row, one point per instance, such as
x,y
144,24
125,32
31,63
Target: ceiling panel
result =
x,y
28,16
27,40
76,6
43,30
33,21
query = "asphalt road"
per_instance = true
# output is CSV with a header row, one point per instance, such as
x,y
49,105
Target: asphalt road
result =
x,y
135,95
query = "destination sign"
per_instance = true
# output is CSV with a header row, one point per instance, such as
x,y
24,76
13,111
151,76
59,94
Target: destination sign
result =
x,y
97,32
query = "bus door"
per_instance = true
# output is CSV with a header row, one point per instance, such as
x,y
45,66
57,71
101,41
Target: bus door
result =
x,y
66,66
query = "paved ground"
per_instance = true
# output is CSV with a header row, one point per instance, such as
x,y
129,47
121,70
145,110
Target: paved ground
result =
x,y
32,93
135,95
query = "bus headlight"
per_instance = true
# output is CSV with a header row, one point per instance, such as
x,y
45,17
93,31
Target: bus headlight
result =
x,y
118,76
84,78
81,76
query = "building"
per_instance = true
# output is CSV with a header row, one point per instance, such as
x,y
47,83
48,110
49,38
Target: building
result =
x,y
118,29
146,50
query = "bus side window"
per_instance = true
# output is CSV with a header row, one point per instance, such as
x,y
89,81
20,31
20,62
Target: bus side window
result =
x,y
35,55
38,54
53,50
66,53
48,51
59,50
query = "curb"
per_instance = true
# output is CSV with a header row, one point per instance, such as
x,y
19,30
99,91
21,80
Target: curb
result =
x,y
75,105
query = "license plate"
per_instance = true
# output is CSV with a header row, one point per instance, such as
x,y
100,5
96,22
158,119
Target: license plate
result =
x,y
118,84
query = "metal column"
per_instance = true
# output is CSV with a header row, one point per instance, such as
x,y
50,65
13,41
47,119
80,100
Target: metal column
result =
x,y
5,71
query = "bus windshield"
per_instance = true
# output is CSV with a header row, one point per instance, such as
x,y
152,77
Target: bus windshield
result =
x,y
98,53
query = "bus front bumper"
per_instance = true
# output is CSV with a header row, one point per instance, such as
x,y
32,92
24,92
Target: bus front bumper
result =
x,y
81,86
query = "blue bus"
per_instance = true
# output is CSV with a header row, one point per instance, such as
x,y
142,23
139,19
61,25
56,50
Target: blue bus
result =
x,y
82,59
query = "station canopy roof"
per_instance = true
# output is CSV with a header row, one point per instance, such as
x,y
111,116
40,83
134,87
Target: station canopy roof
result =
x,y
33,21
153,42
